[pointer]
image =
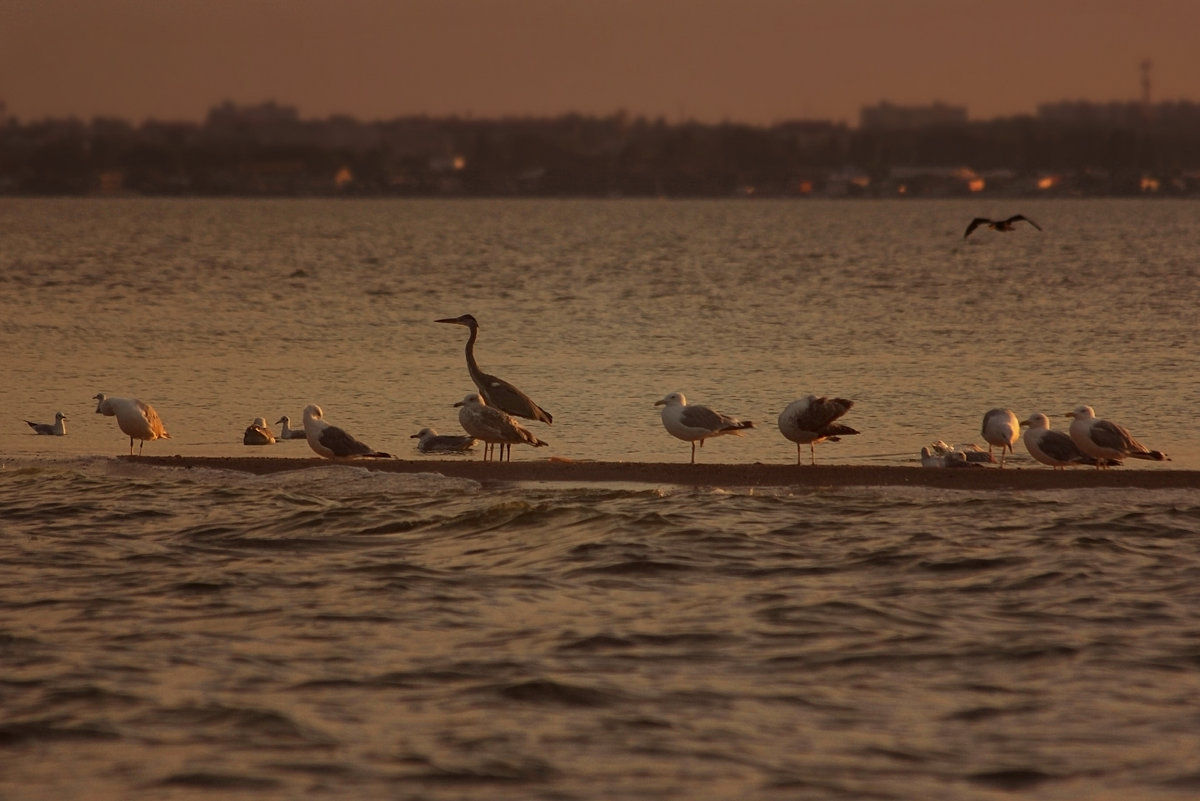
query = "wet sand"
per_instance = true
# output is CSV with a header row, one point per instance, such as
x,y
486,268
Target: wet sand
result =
x,y
720,475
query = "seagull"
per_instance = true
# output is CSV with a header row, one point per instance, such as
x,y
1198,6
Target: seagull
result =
x,y
56,429
258,433
287,432
1000,429
933,457
999,225
137,419
1052,447
696,423
493,426
811,419
1105,440
332,442
430,441
496,392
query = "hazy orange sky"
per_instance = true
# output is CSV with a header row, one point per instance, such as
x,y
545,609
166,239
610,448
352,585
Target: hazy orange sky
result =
x,y
755,61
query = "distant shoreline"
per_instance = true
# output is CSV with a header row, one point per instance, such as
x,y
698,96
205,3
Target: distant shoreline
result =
x,y
715,475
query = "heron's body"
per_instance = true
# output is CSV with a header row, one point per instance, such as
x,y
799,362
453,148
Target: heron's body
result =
x,y
496,392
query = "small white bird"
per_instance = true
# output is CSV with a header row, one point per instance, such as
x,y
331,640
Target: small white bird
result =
x,y
287,432
332,442
696,423
430,441
257,433
493,427
1055,448
1000,429
56,429
1105,440
811,420
137,419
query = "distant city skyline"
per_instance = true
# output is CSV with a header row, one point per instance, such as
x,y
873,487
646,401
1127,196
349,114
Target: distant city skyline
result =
x,y
747,61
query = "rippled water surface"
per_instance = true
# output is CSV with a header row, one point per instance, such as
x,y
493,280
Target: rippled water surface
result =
x,y
342,633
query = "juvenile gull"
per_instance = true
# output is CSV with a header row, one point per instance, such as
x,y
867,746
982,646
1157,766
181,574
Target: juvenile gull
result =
x,y
286,431
1054,448
1105,440
999,225
430,441
332,442
696,423
137,419
497,393
493,427
56,429
1000,429
258,434
811,420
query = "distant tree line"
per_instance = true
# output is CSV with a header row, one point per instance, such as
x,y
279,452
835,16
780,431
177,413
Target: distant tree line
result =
x,y
268,150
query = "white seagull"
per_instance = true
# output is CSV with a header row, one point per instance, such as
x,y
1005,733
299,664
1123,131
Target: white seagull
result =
x,y
493,427
1000,429
258,433
811,420
1054,448
696,423
56,429
430,441
1105,440
137,419
332,442
287,432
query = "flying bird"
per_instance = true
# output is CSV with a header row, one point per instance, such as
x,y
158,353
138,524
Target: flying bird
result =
x,y
257,433
286,431
493,427
811,420
1000,429
1051,447
137,419
496,392
999,225
56,429
696,423
332,442
430,441
1105,440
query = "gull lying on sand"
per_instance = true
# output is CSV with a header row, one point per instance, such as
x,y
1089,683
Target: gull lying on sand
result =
x,y
332,442
257,433
430,441
56,429
287,432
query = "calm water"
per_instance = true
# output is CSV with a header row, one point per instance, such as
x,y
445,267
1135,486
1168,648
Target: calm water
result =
x,y
338,633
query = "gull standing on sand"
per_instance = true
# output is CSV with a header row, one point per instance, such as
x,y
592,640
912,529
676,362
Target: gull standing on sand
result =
x,y
287,432
493,427
1105,440
497,393
332,442
56,429
137,419
1054,448
258,434
811,420
696,423
999,225
430,441
1000,429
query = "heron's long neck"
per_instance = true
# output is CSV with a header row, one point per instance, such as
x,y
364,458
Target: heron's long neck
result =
x,y
472,365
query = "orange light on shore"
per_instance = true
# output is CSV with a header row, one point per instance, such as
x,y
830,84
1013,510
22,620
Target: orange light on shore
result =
x,y
1047,182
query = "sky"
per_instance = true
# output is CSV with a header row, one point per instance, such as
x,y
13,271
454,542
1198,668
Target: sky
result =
x,y
746,61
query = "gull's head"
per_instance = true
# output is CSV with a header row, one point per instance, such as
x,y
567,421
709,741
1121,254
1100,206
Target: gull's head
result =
x,y
285,420
473,399
423,433
99,399
259,422
59,416
1082,412
1037,420
468,320
674,399
312,412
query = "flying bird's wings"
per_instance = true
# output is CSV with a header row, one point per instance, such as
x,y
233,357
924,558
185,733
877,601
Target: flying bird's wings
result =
x,y
975,223
1020,217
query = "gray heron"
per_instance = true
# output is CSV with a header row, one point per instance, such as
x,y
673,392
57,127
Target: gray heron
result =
x,y
498,393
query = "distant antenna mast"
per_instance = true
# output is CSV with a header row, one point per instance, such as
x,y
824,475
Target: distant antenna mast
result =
x,y
1145,68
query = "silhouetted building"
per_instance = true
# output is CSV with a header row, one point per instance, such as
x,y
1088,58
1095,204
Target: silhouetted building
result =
x,y
891,117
